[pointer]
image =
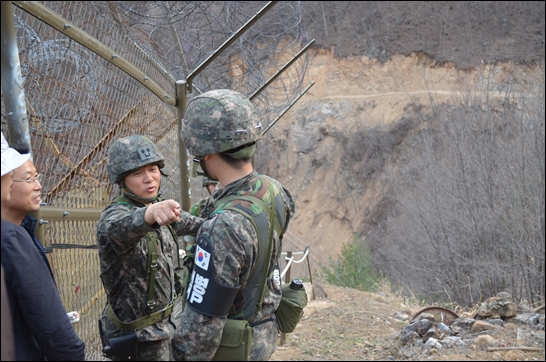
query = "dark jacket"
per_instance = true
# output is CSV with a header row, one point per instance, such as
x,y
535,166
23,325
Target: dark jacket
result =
x,y
29,223
8,347
42,329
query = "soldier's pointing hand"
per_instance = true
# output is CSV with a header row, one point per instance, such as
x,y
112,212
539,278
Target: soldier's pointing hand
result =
x,y
164,213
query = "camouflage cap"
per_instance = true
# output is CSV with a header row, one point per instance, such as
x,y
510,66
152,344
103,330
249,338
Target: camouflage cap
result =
x,y
128,154
219,121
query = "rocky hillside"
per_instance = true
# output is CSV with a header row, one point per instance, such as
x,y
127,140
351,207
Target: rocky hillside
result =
x,y
379,66
322,148
347,325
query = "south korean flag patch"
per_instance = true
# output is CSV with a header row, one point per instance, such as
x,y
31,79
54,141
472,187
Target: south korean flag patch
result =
x,y
202,258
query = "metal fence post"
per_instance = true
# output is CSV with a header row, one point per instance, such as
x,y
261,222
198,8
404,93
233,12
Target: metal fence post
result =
x,y
181,102
286,280
287,277
311,279
12,85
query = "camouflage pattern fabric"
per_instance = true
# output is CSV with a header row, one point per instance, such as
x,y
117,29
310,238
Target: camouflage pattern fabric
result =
x,y
199,208
155,350
128,154
218,121
123,254
235,253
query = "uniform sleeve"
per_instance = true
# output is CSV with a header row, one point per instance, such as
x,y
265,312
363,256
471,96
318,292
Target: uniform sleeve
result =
x,y
194,210
8,347
198,336
188,224
122,226
34,289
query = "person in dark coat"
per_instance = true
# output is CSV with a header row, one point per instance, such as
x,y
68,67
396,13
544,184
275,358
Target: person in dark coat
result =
x,y
41,327
11,159
25,198
8,347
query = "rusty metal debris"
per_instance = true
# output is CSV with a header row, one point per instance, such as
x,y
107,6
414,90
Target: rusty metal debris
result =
x,y
440,314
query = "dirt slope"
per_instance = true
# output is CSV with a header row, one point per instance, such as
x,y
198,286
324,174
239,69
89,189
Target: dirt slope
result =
x,y
354,325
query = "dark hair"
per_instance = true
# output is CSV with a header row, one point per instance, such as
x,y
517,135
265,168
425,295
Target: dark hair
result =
x,y
234,162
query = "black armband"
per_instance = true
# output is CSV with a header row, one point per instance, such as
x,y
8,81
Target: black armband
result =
x,y
205,295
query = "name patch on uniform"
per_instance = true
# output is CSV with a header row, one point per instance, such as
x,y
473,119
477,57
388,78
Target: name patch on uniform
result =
x,y
202,258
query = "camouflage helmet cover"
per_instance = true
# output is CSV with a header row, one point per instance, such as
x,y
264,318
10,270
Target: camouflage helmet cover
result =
x,y
219,121
130,153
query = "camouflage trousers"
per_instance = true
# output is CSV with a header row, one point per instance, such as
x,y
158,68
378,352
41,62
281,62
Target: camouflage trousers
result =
x,y
154,350
264,341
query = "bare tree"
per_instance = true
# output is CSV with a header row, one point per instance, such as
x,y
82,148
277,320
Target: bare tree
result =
x,y
471,201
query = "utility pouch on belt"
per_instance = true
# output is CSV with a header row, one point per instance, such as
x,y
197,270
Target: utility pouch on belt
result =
x,y
291,308
236,341
123,348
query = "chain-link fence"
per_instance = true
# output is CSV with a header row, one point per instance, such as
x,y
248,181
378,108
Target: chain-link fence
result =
x,y
78,102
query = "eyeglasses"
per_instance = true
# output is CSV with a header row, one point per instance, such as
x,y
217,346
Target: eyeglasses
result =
x,y
30,179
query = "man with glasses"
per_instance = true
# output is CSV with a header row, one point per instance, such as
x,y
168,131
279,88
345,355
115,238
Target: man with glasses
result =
x,y
25,198
42,329
11,160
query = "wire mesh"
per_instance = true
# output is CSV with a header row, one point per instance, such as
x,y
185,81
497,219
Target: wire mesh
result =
x,y
78,103
202,27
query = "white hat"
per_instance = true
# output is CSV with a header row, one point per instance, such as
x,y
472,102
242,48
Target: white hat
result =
x,y
11,159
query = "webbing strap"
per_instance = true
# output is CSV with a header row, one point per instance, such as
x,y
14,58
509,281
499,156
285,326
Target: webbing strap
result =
x,y
261,204
245,214
189,261
274,225
175,237
141,322
151,268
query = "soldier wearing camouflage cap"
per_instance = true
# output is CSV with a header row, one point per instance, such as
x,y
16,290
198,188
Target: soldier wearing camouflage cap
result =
x,y
235,274
137,240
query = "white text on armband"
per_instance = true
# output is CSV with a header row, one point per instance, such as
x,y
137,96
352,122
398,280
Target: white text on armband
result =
x,y
276,276
198,287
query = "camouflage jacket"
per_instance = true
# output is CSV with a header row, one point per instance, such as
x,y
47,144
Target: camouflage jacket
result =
x,y
123,254
235,252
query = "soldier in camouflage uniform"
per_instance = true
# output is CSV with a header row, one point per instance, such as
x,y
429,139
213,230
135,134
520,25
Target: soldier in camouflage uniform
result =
x,y
220,130
198,208
140,295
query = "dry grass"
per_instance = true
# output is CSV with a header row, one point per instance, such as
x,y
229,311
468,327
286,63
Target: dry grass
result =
x,y
347,325
355,325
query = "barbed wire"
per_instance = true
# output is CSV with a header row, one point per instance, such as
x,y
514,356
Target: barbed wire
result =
x,y
202,27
